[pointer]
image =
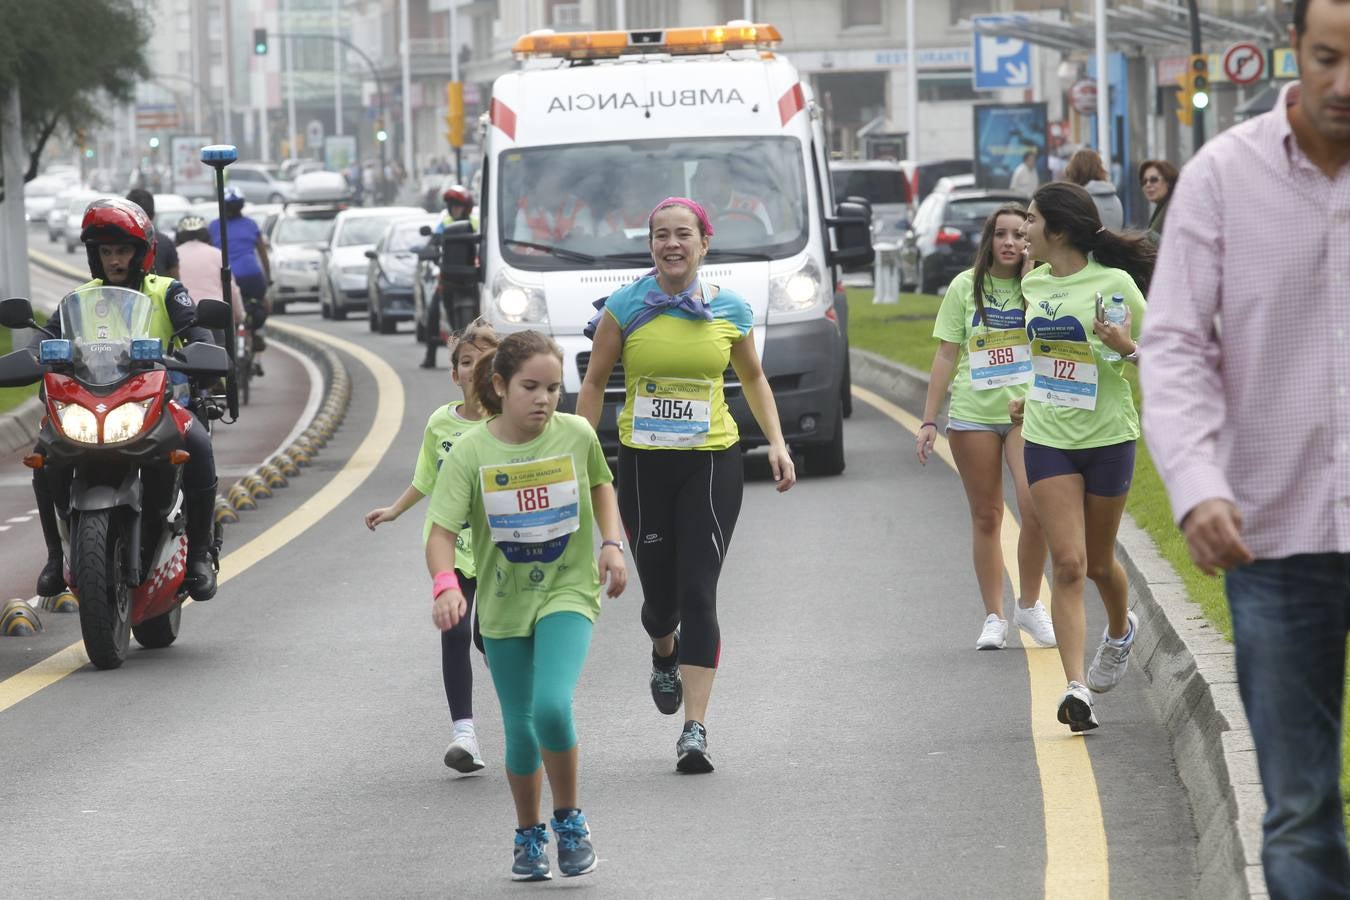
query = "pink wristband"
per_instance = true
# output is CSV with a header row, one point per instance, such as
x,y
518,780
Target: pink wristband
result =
x,y
444,581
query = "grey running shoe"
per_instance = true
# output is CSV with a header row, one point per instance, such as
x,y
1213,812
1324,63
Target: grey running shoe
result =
x,y
667,687
1075,708
691,750
576,856
531,860
463,754
1111,661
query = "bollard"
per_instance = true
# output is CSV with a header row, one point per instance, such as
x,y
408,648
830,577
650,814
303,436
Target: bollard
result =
x,y
886,274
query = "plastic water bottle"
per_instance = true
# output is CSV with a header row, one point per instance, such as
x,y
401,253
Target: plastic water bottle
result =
x,y
1115,314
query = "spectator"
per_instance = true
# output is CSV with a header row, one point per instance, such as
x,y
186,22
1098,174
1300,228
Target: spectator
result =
x,y
1025,179
1086,170
166,255
1157,178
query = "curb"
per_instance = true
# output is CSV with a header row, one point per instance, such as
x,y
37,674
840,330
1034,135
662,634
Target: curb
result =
x,y
1193,681
19,426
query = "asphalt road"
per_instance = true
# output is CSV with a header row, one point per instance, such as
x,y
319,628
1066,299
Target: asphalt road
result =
x,y
289,744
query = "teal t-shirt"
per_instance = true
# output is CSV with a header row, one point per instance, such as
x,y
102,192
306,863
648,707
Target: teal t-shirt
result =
x,y
1078,399
1000,377
444,428
673,365
529,508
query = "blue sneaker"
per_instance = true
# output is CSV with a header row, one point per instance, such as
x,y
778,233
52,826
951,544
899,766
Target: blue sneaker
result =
x,y
576,856
691,750
667,687
531,862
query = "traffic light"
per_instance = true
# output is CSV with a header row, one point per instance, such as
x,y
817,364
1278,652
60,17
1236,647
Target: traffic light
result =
x,y
454,117
380,134
260,42
1199,75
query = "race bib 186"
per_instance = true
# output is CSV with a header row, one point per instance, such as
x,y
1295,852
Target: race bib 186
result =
x,y
671,412
1065,374
531,507
999,358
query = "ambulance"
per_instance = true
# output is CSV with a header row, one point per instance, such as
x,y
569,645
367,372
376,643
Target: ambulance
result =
x,y
595,128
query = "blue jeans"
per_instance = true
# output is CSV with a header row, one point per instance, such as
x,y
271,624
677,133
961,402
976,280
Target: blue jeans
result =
x,y
1290,621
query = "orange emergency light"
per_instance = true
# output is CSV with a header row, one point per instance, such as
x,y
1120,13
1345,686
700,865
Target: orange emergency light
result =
x,y
675,41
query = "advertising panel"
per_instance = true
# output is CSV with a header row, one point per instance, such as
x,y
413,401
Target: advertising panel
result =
x,y
1004,132
191,177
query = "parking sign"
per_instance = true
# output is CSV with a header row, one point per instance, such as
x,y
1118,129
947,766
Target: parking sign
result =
x,y
1000,62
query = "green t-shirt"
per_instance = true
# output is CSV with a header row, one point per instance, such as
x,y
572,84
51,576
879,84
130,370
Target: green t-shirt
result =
x,y
1004,321
1069,357
444,429
529,506
673,367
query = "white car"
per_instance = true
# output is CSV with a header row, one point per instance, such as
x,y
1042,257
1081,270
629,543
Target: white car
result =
x,y
342,283
39,194
297,238
169,208
76,205
259,183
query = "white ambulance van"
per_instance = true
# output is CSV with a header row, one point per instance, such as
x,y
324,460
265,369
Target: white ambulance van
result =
x,y
595,128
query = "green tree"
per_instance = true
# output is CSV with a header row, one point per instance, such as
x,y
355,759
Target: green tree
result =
x,y
73,60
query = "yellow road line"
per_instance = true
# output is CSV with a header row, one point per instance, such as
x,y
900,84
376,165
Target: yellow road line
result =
x,y
1076,862
388,418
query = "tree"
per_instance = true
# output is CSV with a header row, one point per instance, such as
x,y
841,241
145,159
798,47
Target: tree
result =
x,y
72,60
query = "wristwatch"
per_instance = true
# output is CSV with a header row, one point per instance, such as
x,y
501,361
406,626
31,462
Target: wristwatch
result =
x,y
618,544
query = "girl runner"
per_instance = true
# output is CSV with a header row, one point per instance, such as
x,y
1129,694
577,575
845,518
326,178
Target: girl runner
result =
x,y
444,428
1081,424
532,483
679,459
985,345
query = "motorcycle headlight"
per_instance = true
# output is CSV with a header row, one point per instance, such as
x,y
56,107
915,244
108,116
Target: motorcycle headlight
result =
x,y
796,291
77,423
125,422
518,302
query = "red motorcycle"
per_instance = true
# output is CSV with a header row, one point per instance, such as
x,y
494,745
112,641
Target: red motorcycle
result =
x,y
112,440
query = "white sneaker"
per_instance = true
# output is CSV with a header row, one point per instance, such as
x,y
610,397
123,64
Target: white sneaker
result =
x,y
1036,622
1112,659
463,755
1075,708
994,635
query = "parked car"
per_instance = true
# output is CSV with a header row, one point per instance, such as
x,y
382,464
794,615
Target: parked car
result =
x,y
392,271
342,278
297,237
260,183
39,194
56,216
882,183
289,169
941,241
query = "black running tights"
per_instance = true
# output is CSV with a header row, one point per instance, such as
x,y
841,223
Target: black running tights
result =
x,y
456,670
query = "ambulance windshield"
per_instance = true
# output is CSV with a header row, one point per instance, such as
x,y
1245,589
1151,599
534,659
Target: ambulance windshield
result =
x,y
594,199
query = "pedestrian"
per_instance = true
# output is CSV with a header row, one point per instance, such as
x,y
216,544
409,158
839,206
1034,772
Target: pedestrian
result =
x,y
1220,400
1157,179
1025,178
1081,424
532,483
984,345
1085,169
680,469
445,427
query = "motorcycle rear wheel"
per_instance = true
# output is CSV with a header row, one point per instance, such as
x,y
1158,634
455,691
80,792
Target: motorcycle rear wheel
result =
x,y
161,631
105,600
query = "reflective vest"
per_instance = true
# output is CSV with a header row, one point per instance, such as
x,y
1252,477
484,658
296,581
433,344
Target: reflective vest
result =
x,y
156,287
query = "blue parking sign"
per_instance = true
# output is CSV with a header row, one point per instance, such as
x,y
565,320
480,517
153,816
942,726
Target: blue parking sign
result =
x,y
1000,62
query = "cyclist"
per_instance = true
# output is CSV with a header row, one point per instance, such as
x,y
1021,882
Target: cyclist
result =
x,y
248,264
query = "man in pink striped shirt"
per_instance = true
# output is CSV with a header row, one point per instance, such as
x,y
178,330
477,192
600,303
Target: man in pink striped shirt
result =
x,y
1246,380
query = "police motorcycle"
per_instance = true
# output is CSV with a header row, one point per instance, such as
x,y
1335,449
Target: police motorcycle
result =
x,y
113,430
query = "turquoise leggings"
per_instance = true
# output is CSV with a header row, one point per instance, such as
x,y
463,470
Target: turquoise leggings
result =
x,y
535,677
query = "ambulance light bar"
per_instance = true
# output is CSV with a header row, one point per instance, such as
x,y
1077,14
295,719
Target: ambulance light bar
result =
x,y
675,41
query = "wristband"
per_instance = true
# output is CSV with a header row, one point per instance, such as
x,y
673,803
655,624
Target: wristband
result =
x,y
618,545
444,581
933,425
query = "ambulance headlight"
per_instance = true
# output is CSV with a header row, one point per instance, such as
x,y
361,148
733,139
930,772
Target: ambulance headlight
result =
x,y
796,291
518,303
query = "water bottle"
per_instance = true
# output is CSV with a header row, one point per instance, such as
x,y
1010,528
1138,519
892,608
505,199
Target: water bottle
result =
x,y
1115,314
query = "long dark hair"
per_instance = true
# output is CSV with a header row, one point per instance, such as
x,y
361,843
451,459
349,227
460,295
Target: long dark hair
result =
x,y
984,256
1068,210
505,360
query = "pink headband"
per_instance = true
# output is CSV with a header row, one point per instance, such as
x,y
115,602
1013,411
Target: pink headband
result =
x,y
687,204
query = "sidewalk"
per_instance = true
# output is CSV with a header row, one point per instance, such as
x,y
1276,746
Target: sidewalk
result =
x,y
1193,681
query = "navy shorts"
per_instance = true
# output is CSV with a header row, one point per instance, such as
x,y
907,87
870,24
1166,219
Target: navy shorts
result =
x,y
1107,471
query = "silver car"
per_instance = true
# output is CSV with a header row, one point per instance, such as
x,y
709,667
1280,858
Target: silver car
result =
x,y
342,281
297,239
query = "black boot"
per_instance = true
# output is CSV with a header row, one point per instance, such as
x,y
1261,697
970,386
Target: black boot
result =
x,y
200,577
52,580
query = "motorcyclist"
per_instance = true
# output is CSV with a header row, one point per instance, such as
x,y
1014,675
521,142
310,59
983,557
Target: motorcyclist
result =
x,y
119,240
458,208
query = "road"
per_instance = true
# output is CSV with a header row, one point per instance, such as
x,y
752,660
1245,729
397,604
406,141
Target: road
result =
x,y
289,744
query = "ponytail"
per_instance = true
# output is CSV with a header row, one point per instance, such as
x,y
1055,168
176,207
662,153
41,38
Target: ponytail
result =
x,y
480,382
1132,252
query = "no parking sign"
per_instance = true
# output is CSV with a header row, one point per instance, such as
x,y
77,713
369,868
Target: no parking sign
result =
x,y
1244,63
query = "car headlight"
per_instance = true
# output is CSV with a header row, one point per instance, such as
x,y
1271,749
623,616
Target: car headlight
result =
x,y
125,422
77,423
796,291
518,302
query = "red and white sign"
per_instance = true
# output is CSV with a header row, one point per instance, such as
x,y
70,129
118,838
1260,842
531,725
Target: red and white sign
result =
x,y
1244,63
1083,96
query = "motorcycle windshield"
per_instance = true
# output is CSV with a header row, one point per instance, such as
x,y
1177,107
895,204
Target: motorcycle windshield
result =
x,y
101,322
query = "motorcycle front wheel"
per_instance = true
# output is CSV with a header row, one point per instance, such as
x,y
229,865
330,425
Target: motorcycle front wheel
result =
x,y
105,600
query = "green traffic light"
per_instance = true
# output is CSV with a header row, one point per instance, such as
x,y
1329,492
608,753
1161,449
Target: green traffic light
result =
x,y
154,142
89,153
1200,100
381,135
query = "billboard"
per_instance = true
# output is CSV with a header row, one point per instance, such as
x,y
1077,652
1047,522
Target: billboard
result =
x,y
1004,132
191,177
339,152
